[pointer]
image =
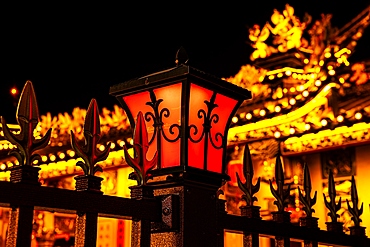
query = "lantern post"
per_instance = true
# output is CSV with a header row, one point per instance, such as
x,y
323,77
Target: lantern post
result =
x,y
187,114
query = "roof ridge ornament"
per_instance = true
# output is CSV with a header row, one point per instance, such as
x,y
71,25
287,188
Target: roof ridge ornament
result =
x,y
181,56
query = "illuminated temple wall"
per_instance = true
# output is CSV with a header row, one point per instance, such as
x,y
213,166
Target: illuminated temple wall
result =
x,y
361,170
344,162
361,167
362,183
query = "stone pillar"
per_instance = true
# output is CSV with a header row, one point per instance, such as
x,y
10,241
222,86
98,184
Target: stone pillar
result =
x,y
141,229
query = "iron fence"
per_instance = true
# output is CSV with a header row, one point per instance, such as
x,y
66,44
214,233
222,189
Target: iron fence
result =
x,y
180,210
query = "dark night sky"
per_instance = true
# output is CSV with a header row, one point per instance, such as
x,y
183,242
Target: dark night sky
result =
x,y
75,53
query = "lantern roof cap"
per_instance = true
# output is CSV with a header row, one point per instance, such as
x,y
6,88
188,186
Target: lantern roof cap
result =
x,y
181,56
181,73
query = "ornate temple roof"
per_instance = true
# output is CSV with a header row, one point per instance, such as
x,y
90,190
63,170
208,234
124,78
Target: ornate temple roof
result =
x,y
307,94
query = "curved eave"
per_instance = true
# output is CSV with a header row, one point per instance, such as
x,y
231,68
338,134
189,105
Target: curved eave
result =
x,y
356,135
296,139
319,100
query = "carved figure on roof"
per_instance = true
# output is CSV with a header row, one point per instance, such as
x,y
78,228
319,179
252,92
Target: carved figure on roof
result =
x,y
321,33
288,29
258,37
359,76
251,77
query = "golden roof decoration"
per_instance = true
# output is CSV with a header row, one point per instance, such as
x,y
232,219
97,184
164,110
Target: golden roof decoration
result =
x,y
290,104
250,77
62,124
304,91
286,30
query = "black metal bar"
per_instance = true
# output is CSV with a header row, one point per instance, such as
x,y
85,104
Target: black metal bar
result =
x,y
86,229
70,201
24,231
286,230
91,229
145,229
141,230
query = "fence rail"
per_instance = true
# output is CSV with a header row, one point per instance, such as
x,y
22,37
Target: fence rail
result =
x,y
71,201
287,230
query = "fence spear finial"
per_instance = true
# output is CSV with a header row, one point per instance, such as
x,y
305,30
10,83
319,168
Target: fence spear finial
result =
x,y
142,167
306,200
248,188
280,194
333,208
355,212
27,118
89,152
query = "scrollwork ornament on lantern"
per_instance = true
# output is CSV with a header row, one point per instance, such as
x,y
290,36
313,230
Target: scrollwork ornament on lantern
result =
x,y
142,167
208,119
157,118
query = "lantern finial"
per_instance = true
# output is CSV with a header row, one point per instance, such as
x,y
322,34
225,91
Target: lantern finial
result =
x,y
181,56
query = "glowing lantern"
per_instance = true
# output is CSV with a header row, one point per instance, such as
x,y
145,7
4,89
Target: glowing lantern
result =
x,y
187,114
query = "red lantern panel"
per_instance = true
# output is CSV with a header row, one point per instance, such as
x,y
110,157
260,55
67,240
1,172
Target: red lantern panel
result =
x,y
208,116
216,155
160,106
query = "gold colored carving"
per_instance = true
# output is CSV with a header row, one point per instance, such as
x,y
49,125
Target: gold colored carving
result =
x,y
62,124
258,37
286,29
359,76
320,34
249,77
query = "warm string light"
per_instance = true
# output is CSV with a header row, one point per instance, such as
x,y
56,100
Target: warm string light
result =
x,y
52,157
62,167
296,128
340,118
358,115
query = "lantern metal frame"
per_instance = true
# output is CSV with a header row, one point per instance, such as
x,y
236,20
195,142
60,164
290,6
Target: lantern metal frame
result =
x,y
187,76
